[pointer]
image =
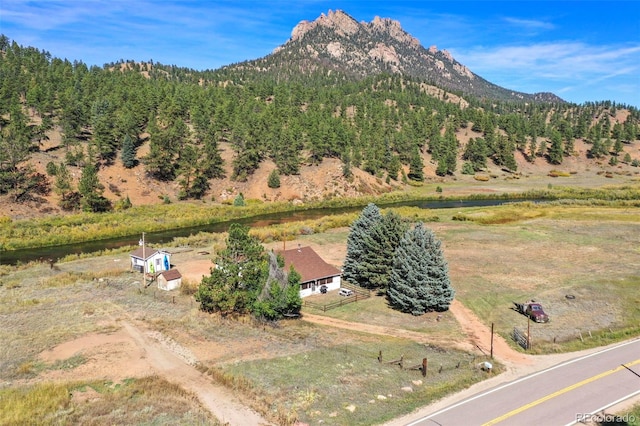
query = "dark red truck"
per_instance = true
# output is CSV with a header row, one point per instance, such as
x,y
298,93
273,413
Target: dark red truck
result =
x,y
533,310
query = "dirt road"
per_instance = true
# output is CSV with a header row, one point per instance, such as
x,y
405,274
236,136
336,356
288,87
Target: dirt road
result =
x,y
174,368
478,335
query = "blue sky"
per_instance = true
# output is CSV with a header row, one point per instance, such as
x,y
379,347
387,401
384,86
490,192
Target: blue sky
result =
x,y
580,50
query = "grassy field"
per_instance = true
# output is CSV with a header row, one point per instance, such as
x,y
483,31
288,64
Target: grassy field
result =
x,y
580,261
297,370
149,400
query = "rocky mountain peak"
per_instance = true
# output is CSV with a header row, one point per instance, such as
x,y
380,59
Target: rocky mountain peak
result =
x,y
339,21
394,29
336,42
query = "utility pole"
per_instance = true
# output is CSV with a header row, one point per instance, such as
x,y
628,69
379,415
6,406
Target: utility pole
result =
x,y
491,340
144,263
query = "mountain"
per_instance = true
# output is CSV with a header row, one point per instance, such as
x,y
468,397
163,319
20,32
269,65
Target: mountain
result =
x,y
342,109
337,44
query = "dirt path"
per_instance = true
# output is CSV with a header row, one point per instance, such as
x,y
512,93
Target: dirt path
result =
x,y
131,350
416,336
479,335
174,368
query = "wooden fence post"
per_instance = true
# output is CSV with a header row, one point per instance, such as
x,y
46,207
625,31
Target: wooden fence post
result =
x,y
424,367
380,357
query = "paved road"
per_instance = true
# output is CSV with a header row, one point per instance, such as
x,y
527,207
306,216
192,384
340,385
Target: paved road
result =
x,y
556,396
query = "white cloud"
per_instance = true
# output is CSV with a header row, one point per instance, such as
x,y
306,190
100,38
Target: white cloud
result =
x,y
530,24
579,71
558,61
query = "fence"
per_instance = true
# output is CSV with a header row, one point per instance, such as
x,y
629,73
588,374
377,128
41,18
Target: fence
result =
x,y
521,338
359,293
423,366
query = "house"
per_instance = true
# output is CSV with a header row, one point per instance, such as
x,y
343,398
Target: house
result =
x,y
154,261
314,272
169,280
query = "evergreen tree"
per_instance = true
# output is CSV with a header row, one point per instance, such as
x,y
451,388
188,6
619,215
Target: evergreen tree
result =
x,y
415,167
448,153
504,153
419,280
556,150
239,200
69,199
91,191
187,166
617,146
356,246
128,154
274,179
102,128
379,246
239,275
346,164
393,167
476,153
212,162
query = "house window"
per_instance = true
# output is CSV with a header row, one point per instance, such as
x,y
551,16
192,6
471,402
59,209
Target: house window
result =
x,y
305,286
325,281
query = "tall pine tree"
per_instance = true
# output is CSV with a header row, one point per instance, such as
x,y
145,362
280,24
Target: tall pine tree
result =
x,y
128,154
379,246
91,191
356,246
240,273
419,280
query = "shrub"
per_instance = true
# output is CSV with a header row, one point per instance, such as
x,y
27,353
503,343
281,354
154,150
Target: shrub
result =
x,y
239,200
467,169
52,169
274,179
558,173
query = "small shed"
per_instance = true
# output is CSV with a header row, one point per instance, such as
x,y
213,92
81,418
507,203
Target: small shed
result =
x,y
169,280
314,271
154,261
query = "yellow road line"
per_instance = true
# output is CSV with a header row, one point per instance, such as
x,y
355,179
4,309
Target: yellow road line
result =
x,y
557,393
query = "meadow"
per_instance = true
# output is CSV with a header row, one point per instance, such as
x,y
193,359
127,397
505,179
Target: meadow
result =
x,y
296,370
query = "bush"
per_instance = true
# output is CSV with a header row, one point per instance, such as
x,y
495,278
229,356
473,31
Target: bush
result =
x,y
52,169
239,200
274,179
467,169
123,204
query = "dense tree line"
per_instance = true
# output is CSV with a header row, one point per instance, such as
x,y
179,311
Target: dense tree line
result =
x,y
378,123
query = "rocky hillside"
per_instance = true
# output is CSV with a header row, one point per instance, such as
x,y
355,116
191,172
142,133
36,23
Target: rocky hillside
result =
x,y
342,109
337,43
326,180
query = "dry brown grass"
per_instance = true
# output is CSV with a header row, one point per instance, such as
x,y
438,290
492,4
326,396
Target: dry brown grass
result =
x,y
496,256
147,400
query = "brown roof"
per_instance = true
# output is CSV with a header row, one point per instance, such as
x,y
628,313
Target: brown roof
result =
x,y
308,264
148,252
171,274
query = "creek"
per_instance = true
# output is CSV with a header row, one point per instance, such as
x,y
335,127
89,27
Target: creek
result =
x,y
13,257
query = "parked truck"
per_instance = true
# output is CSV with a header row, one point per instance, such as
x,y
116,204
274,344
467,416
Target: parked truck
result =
x,y
533,310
